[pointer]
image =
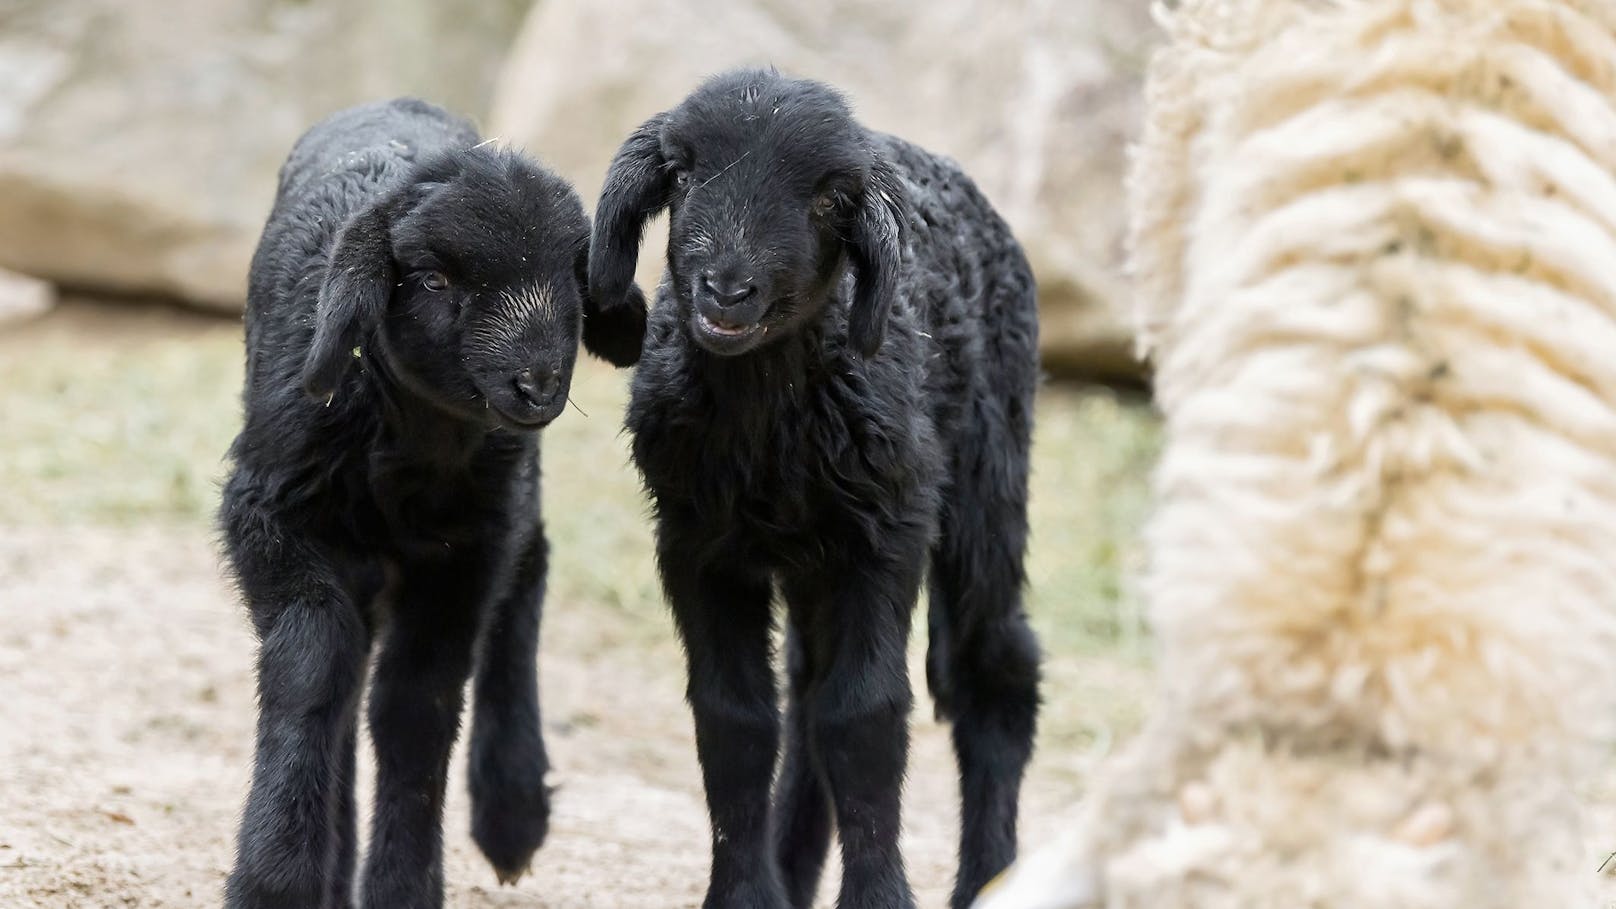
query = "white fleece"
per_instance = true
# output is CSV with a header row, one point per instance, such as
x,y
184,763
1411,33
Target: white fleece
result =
x,y
1374,244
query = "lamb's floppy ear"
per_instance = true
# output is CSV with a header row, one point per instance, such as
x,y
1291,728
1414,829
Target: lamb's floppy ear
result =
x,y
615,335
875,248
358,281
638,185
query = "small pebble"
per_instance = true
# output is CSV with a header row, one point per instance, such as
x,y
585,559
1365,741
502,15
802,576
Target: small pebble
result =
x,y
1428,825
1197,803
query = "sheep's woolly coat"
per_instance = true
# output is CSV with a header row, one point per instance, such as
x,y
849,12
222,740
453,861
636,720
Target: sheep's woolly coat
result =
x,y
1375,245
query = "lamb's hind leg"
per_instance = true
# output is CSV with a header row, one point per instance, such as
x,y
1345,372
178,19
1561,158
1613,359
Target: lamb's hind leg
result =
x,y
311,656
510,802
986,673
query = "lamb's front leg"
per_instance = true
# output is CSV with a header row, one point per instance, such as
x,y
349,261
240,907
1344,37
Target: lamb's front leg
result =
x,y
858,720
724,621
415,701
311,657
510,802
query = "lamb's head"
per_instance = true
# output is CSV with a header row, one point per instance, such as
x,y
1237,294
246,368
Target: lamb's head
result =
x,y
772,189
464,287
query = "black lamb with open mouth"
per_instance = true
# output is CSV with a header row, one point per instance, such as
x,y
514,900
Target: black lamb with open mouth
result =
x,y
835,390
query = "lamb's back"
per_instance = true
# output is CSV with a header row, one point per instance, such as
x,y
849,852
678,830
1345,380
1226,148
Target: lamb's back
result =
x,y
967,283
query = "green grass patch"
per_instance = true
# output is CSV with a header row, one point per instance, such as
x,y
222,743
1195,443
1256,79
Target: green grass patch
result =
x,y
1092,457
123,416
112,421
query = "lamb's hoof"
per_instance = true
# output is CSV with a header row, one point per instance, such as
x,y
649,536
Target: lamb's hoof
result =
x,y
509,832
508,878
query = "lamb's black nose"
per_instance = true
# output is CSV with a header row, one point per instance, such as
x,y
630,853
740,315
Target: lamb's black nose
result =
x,y
536,385
727,293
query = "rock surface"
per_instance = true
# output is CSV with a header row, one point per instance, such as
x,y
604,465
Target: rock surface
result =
x,y
1037,98
139,139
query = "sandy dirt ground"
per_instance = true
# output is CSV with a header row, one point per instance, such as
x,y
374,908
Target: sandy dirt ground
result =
x,y
125,739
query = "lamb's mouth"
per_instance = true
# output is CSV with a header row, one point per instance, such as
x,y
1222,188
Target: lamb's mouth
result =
x,y
728,331
525,421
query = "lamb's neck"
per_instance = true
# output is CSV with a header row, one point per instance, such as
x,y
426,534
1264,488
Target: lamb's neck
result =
x,y
776,373
418,429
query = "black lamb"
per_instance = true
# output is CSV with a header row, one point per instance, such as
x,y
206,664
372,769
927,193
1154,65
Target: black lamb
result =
x,y
413,315
836,384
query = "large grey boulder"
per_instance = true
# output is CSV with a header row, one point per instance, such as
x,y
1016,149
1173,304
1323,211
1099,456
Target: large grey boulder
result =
x,y
1037,98
139,139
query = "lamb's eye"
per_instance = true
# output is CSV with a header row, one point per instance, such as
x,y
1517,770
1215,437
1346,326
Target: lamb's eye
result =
x,y
435,281
681,178
826,203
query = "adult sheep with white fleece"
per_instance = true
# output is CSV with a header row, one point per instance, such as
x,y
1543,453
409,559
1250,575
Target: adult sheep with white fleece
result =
x,y
1375,246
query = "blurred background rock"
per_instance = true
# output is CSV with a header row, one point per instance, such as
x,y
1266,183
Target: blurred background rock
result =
x,y
139,139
